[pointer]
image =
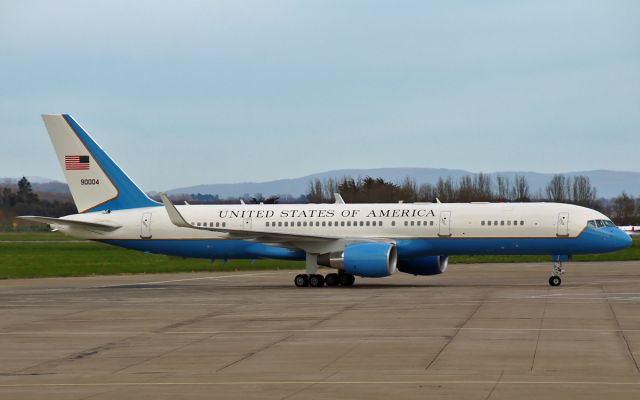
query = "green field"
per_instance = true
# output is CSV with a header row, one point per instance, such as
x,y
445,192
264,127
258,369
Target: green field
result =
x,y
45,254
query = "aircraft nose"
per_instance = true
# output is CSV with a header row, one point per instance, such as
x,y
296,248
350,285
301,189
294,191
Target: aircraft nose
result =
x,y
622,239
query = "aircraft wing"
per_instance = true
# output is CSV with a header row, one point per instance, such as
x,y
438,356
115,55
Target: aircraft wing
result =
x,y
100,226
271,237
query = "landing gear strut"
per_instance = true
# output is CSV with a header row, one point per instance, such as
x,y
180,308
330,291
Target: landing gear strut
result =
x,y
557,270
317,280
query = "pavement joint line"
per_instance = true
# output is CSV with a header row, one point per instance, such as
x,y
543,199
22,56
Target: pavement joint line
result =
x,y
623,337
215,332
320,382
452,338
185,279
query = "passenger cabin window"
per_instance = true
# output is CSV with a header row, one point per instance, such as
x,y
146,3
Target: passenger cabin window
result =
x,y
482,223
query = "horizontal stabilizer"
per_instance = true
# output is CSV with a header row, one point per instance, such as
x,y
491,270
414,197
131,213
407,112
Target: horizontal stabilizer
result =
x,y
71,223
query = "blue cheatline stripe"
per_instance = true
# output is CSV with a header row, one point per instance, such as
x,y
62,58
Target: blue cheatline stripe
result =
x,y
210,249
591,241
129,195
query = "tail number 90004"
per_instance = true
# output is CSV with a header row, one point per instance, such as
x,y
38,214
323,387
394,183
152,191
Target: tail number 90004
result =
x,y
89,181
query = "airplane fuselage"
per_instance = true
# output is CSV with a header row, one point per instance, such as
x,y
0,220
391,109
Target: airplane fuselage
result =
x,y
417,229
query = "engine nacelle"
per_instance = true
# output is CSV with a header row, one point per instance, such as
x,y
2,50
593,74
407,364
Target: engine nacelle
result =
x,y
427,265
371,260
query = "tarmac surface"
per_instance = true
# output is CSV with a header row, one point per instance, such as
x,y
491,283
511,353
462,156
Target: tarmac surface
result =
x,y
490,331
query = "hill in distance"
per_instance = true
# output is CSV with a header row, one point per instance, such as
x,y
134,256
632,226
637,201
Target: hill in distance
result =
x,y
608,183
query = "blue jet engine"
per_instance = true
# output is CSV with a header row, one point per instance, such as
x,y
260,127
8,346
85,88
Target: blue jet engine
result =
x,y
370,260
427,265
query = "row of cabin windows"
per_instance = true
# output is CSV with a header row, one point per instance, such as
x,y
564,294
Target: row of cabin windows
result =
x,y
323,223
343,223
417,223
501,223
211,224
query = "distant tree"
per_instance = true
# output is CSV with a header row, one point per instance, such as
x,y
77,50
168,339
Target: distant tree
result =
x,y
25,192
426,192
624,208
504,188
482,187
520,191
556,189
316,192
582,193
445,190
409,189
466,190
8,198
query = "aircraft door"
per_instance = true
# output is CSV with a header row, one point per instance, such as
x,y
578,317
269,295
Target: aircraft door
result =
x,y
145,226
563,224
246,224
445,223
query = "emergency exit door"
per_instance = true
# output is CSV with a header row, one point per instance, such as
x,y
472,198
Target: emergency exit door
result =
x,y
145,226
445,223
563,224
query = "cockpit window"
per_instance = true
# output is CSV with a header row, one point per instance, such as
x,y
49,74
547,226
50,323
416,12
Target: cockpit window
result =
x,y
600,223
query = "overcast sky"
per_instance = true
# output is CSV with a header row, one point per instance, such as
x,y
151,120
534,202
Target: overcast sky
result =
x,y
189,92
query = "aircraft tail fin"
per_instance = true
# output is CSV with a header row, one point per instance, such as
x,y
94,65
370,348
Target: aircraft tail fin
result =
x,y
95,180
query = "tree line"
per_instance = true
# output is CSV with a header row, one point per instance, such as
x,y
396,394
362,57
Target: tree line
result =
x,y
20,199
624,209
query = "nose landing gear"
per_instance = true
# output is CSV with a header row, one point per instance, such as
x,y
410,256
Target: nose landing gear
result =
x,y
556,271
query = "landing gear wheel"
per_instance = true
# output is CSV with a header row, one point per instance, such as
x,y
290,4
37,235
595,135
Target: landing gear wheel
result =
x,y
301,280
332,279
347,279
555,281
316,280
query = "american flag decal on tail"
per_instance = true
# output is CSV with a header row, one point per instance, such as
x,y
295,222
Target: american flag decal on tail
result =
x,y
76,162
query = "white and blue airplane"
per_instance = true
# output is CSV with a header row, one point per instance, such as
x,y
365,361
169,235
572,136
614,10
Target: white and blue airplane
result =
x,y
366,240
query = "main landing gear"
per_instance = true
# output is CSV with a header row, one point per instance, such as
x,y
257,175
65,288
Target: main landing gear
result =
x,y
557,270
317,280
